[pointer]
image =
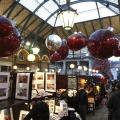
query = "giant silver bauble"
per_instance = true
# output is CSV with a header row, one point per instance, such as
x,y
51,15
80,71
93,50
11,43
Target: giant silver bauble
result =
x,y
53,42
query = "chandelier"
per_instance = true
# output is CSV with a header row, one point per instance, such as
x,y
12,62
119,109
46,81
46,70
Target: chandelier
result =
x,y
67,17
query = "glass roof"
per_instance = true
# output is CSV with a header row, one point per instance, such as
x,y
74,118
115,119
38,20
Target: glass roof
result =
x,y
86,10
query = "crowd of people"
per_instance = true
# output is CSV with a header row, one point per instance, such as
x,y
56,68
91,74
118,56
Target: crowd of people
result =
x,y
108,95
113,103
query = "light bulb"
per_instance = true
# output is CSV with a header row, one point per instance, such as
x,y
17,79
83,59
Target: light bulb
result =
x,y
15,67
31,57
79,67
46,70
28,43
27,68
35,50
72,66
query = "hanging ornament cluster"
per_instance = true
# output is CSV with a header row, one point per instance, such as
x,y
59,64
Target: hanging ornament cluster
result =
x,y
59,48
56,46
76,41
9,37
61,53
102,43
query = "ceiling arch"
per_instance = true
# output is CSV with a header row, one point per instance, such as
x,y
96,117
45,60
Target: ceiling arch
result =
x,y
32,27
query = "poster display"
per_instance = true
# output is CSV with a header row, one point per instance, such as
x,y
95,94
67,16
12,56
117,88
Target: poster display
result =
x,y
6,114
51,104
22,86
50,84
72,82
4,85
38,84
64,108
38,81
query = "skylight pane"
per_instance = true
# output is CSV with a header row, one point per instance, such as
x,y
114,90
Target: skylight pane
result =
x,y
114,1
53,19
50,6
30,4
114,9
84,6
88,15
104,12
43,13
61,2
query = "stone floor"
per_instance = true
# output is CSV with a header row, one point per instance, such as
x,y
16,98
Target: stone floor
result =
x,y
100,114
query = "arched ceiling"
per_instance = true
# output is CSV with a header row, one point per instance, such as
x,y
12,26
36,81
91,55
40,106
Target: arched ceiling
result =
x,y
35,18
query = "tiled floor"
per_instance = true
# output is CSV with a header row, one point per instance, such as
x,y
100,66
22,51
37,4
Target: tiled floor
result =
x,y
100,114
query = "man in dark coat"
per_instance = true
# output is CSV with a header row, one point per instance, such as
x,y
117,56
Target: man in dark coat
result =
x,y
82,99
114,104
40,111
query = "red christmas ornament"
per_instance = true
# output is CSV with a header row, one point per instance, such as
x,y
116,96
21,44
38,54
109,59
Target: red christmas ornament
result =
x,y
76,41
55,57
102,43
8,45
63,50
5,27
116,53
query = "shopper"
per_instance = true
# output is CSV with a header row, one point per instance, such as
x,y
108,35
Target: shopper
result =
x,y
114,104
82,99
40,111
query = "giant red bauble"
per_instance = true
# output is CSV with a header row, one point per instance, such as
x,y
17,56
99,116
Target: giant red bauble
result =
x,y
63,50
8,45
101,44
5,26
76,41
55,57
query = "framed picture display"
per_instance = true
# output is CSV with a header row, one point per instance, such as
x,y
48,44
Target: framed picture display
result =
x,y
6,114
23,113
72,82
51,104
38,81
57,109
50,84
4,85
37,84
22,86
64,108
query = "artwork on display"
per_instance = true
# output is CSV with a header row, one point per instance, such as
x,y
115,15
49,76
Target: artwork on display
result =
x,y
23,113
22,86
4,85
50,84
51,104
57,109
6,114
38,83
34,93
64,108
72,82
